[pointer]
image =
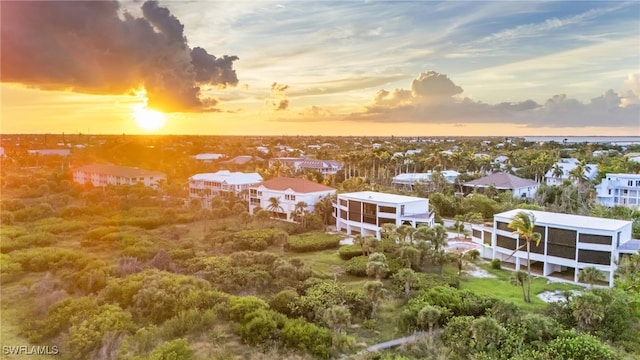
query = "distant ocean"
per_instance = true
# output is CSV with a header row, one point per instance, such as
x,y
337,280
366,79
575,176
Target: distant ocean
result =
x,y
612,140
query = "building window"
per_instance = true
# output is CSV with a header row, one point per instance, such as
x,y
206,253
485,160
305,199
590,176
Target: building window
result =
x,y
255,201
609,191
290,197
637,182
388,209
503,226
343,202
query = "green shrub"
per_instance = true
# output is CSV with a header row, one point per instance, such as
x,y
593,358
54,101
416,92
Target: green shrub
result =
x,y
308,242
27,241
58,226
99,232
347,252
495,264
177,349
34,212
9,268
50,259
11,204
357,266
299,334
241,306
188,321
254,240
12,231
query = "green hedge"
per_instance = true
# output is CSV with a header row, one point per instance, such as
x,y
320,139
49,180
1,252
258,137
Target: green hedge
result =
x,y
347,252
357,266
308,242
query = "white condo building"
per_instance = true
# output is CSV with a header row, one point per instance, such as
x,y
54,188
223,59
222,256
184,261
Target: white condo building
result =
x,y
103,175
569,243
564,167
619,190
365,212
288,192
407,180
222,183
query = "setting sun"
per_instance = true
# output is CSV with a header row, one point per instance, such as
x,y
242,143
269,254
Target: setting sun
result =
x,y
149,120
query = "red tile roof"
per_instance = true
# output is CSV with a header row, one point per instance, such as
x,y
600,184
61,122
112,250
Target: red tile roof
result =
x,y
301,186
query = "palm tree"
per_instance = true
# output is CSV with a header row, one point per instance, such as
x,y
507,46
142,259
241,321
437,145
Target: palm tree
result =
x,y
588,310
557,171
590,275
524,224
377,265
408,277
374,290
337,317
299,210
429,316
519,278
274,206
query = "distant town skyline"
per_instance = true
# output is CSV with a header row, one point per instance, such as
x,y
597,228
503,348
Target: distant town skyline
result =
x,y
481,68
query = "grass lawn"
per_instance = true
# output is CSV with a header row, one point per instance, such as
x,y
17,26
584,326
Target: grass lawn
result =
x,y
501,288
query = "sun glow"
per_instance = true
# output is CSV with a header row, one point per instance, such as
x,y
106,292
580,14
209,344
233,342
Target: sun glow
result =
x,y
149,120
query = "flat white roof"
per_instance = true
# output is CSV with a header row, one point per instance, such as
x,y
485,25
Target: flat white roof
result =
x,y
235,178
578,221
626,176
381,197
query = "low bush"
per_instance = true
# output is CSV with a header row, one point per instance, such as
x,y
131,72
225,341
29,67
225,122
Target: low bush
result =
x,y
27,241
495,264
58,226
347,252
308,242
50,259
357,266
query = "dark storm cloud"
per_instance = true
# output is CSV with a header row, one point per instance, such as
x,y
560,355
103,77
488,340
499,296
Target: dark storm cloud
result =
x,y
433,100
94,47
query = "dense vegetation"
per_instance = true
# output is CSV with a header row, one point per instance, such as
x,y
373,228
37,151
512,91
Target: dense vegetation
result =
x,y
134,273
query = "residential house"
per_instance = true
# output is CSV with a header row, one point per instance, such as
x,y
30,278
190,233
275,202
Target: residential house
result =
x,y
103,175
287,192
208,157
619,190
561,171
365,212
241,160
633,157
568,244
222,183
49,152
325,167
407,180
521,188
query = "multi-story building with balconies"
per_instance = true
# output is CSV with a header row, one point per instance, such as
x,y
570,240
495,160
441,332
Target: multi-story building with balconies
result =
x,y
222,183
568,244
619,190
103,175
365,212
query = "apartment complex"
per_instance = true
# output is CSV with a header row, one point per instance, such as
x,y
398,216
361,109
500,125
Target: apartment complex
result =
x,y
222,183
569,243
103,175
619,190
365,212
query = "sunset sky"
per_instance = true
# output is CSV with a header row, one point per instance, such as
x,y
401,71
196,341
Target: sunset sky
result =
x,y
322,68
